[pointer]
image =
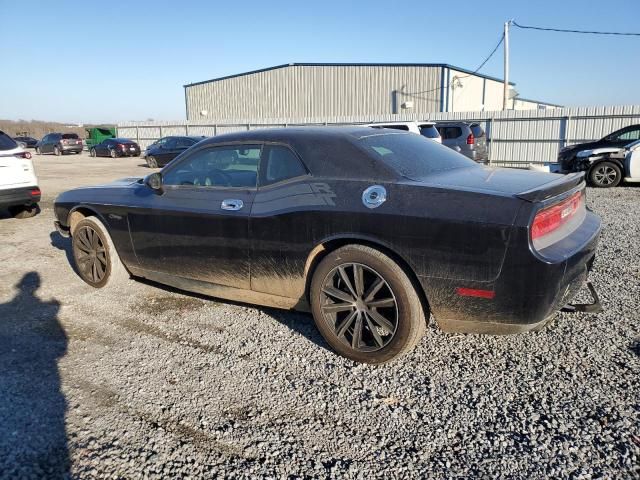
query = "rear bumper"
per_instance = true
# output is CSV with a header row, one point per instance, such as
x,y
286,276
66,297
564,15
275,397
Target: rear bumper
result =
x,y
530,289
71,148
19,196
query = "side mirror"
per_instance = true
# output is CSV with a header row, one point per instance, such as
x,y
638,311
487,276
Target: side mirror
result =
x,y
154,182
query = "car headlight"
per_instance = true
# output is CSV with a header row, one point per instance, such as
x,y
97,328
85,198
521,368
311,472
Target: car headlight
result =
x,y
585,153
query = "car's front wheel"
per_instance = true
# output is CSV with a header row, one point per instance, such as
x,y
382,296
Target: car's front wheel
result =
x,y
57,151
152,162
92,152
96,259
605,175
113,153
365,306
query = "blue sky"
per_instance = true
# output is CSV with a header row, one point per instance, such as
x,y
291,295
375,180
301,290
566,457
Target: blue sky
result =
x,y
109,61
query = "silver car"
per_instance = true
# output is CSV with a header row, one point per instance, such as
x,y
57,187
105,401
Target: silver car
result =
x,y
466,138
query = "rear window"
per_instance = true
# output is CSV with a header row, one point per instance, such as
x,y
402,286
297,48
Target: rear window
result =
x,y
413,156
477,130
70,135
6,142
429,131
393,127
449,133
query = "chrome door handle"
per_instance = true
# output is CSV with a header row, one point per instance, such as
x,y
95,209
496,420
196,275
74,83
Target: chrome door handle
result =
x,y
232,204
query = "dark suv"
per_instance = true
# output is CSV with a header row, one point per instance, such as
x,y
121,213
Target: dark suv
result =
x,y
59,143
468,139
161,152
618,139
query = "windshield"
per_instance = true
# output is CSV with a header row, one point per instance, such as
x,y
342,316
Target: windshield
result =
x,y
414,156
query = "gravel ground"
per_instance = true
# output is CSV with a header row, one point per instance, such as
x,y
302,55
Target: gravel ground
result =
x,y
144,381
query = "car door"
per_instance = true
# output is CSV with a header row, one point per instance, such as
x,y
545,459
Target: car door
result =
x,y
198,228
47,146
166,151
281,234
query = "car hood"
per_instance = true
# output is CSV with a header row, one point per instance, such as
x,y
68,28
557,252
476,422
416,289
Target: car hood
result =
x,y
508,182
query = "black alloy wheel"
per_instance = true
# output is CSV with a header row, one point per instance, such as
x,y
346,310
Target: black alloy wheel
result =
x,y
152,162
359,305
91,255
365,305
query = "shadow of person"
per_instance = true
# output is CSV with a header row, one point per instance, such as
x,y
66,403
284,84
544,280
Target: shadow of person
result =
x,y
33,441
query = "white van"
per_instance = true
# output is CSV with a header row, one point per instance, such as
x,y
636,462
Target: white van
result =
x,y
426,128
19,191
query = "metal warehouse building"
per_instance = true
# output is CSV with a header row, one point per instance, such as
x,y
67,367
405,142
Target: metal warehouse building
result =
x,y
298,90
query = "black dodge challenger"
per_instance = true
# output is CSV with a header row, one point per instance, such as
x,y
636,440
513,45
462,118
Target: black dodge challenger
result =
x,y
370,230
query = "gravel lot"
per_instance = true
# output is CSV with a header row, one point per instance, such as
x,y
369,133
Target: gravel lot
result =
x,y
143,381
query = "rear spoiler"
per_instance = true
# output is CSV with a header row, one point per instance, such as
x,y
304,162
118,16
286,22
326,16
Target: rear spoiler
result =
x,y
551,189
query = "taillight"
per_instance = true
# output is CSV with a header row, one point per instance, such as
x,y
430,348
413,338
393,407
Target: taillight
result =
x,y
63,141
26,155
555,222
471,139
120,145
35,192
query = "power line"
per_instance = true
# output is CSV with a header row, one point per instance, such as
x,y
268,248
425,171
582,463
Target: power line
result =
x,y
561,30
484,62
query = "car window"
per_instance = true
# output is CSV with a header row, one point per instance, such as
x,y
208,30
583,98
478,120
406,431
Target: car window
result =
x,y
185,142
414,156
170,143
70,135
449,133
629,135
6,142
429,131
279,163
227,166
477,130
394,127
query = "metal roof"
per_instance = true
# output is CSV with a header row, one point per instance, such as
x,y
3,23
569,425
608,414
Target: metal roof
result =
x,y
285,65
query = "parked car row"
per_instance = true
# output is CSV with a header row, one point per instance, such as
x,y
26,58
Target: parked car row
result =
x,y
466,138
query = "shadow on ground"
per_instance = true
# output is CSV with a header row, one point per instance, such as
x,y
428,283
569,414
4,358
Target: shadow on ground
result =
x,y
33,441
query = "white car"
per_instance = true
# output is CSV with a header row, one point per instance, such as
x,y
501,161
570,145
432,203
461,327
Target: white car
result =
x,y
19,191
426,128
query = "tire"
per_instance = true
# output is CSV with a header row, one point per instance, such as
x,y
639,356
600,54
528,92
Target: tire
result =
x,y
92,152
387,330
91,236
113,153
57,151
151,162
24,211
605,175
38,152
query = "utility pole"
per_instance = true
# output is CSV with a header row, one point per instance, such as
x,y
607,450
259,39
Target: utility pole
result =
x,y
505,98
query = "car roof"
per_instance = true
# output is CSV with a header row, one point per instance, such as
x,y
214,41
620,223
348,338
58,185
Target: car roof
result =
x,y
331,151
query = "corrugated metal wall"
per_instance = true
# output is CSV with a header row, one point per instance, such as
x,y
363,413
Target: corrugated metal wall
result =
x,y
306,91
516,138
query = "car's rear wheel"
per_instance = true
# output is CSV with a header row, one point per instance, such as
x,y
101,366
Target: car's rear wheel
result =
x,y
96,259
365,306
151,162
113,153
24,211
92,152
605,175
57,151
